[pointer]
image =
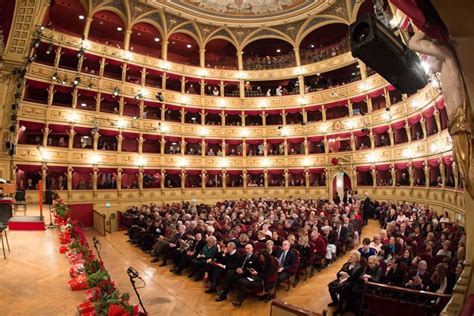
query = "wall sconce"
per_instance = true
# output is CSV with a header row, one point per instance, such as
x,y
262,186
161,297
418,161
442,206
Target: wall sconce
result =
x,y
408,153
116,92
244,133
127,55
351,124
182,162
222,103
284,131
263,103
416,104
203,132
307,162
95,159
163,128
371,157
266,163
72,117
165,65
121,123
85,44
434,148
141,161
202,72
363,86
223,163
44,153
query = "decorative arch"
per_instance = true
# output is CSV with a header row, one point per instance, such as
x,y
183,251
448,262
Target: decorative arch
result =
x,y
187,32
304,32
151,22
181,29
114,10
222,33
261,34
333,174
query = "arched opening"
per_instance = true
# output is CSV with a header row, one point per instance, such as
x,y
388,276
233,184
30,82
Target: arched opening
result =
x,y
341,183
108,28
183,49
67,16
221,54
146,39
324,42
268,53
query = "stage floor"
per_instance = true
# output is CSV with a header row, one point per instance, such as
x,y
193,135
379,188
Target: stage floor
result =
x,y
33,280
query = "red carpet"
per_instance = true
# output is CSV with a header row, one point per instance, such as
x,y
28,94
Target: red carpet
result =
x,y
26,223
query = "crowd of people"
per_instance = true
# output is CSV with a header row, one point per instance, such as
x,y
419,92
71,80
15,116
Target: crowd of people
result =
x,y
251,245
257,245
416,249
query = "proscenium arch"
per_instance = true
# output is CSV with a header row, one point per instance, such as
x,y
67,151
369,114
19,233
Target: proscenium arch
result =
x,y
303,33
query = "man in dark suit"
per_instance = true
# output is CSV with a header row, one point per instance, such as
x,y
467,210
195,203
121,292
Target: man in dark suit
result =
x,y
226,260
286,258
171,246
341,233
246,262
366,208
188,252
394,275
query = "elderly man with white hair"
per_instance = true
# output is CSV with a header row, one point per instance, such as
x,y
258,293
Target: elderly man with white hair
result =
x,y
331,245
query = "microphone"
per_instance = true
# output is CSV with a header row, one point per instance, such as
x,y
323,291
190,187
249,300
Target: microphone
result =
x,y
132,273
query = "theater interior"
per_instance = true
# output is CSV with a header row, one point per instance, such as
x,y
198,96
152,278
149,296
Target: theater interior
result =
x,y
241,157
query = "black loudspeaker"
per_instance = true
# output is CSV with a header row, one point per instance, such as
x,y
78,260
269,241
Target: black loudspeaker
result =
x,y
48,197
376,45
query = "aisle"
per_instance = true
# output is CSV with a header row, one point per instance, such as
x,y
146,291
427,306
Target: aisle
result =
x,y
33,280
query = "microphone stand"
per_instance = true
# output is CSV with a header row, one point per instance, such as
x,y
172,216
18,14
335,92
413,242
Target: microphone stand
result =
x,y
97,242
133,274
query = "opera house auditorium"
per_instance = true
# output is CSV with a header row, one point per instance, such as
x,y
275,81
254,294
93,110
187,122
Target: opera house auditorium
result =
x,y
238,157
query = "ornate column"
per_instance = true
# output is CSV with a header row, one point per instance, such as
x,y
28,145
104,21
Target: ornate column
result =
x,y
69,178
241,88
306,177
285,147
162,178
203,148
370,106
162,145
455,174
87,27
183,179
140,178
390,136
224,179
96,141
203,179
46,132
140,140
283,117
353,143
223,116
265,148
13,172
203,117
408,131
265,178
386,94
372,140
57,58
183,115
442,171
264,118
183,146
304,113
426,170
373,173
44,174
71,134
102,67
224,148
202,57
75,95
350,108
393,174
297,56
286,175
119,179
94,179
326,143
306,146
244,148
423,127
240,60
244,178
410,174
323,112
119,141
437,120
183,84
164,50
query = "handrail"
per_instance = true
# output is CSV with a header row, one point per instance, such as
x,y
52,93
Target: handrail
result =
x,y
289,309
382,299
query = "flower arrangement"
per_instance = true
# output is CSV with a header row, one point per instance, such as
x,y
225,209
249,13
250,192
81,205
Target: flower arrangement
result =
x,y
87,270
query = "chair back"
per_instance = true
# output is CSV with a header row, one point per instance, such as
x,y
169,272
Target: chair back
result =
x,y
20,196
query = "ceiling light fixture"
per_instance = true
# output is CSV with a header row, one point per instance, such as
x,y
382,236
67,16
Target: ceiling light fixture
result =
x,y
278,50
119,29
76,82
116,92
81,17
157,39
189,46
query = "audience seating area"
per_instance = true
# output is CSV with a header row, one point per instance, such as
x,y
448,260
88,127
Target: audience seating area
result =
x,y
261,246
